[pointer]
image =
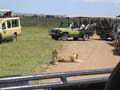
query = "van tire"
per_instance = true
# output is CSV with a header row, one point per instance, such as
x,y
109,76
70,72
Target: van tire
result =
x,y
1,39
14,38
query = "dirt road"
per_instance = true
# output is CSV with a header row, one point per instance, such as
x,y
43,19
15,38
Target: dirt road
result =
x,y
95,54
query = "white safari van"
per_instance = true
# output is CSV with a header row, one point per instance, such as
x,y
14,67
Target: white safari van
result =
x,y
10,26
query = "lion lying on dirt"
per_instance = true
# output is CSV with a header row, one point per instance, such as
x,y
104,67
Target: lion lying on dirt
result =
x,y
56,58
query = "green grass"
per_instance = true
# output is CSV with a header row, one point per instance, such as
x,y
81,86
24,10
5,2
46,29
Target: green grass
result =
x,y
31,53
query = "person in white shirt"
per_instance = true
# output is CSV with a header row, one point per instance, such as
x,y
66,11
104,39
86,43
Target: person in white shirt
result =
x,y
87,27
71,25
82,27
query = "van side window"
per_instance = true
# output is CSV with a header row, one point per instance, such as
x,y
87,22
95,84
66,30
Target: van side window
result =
x,y
15,23
8,24
3,26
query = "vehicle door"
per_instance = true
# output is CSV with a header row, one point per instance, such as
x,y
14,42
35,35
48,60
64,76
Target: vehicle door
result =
x,y
16,26
5,31
75,32
9,31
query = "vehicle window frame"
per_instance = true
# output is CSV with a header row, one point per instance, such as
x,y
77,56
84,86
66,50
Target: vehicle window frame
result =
x,y
15,25
5,26
9,24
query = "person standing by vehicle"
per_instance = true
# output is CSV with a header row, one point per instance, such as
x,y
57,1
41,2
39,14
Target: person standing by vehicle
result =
x,y
71,25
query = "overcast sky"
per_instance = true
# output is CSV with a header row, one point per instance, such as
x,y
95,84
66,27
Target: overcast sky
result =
x,y
64,7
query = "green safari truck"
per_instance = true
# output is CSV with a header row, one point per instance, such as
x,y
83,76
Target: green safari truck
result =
x,y
66,32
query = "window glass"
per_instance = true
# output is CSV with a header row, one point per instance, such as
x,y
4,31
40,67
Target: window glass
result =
x,y
0,26
3,26
8,24
15,23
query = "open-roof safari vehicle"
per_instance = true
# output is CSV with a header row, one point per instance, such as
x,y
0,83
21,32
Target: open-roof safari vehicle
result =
x,y
105,26
72,29
10,26
116,32
102,25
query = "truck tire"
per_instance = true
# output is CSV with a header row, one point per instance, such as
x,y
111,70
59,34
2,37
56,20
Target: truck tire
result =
x,y
14,37
85,37
1,39
64,36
